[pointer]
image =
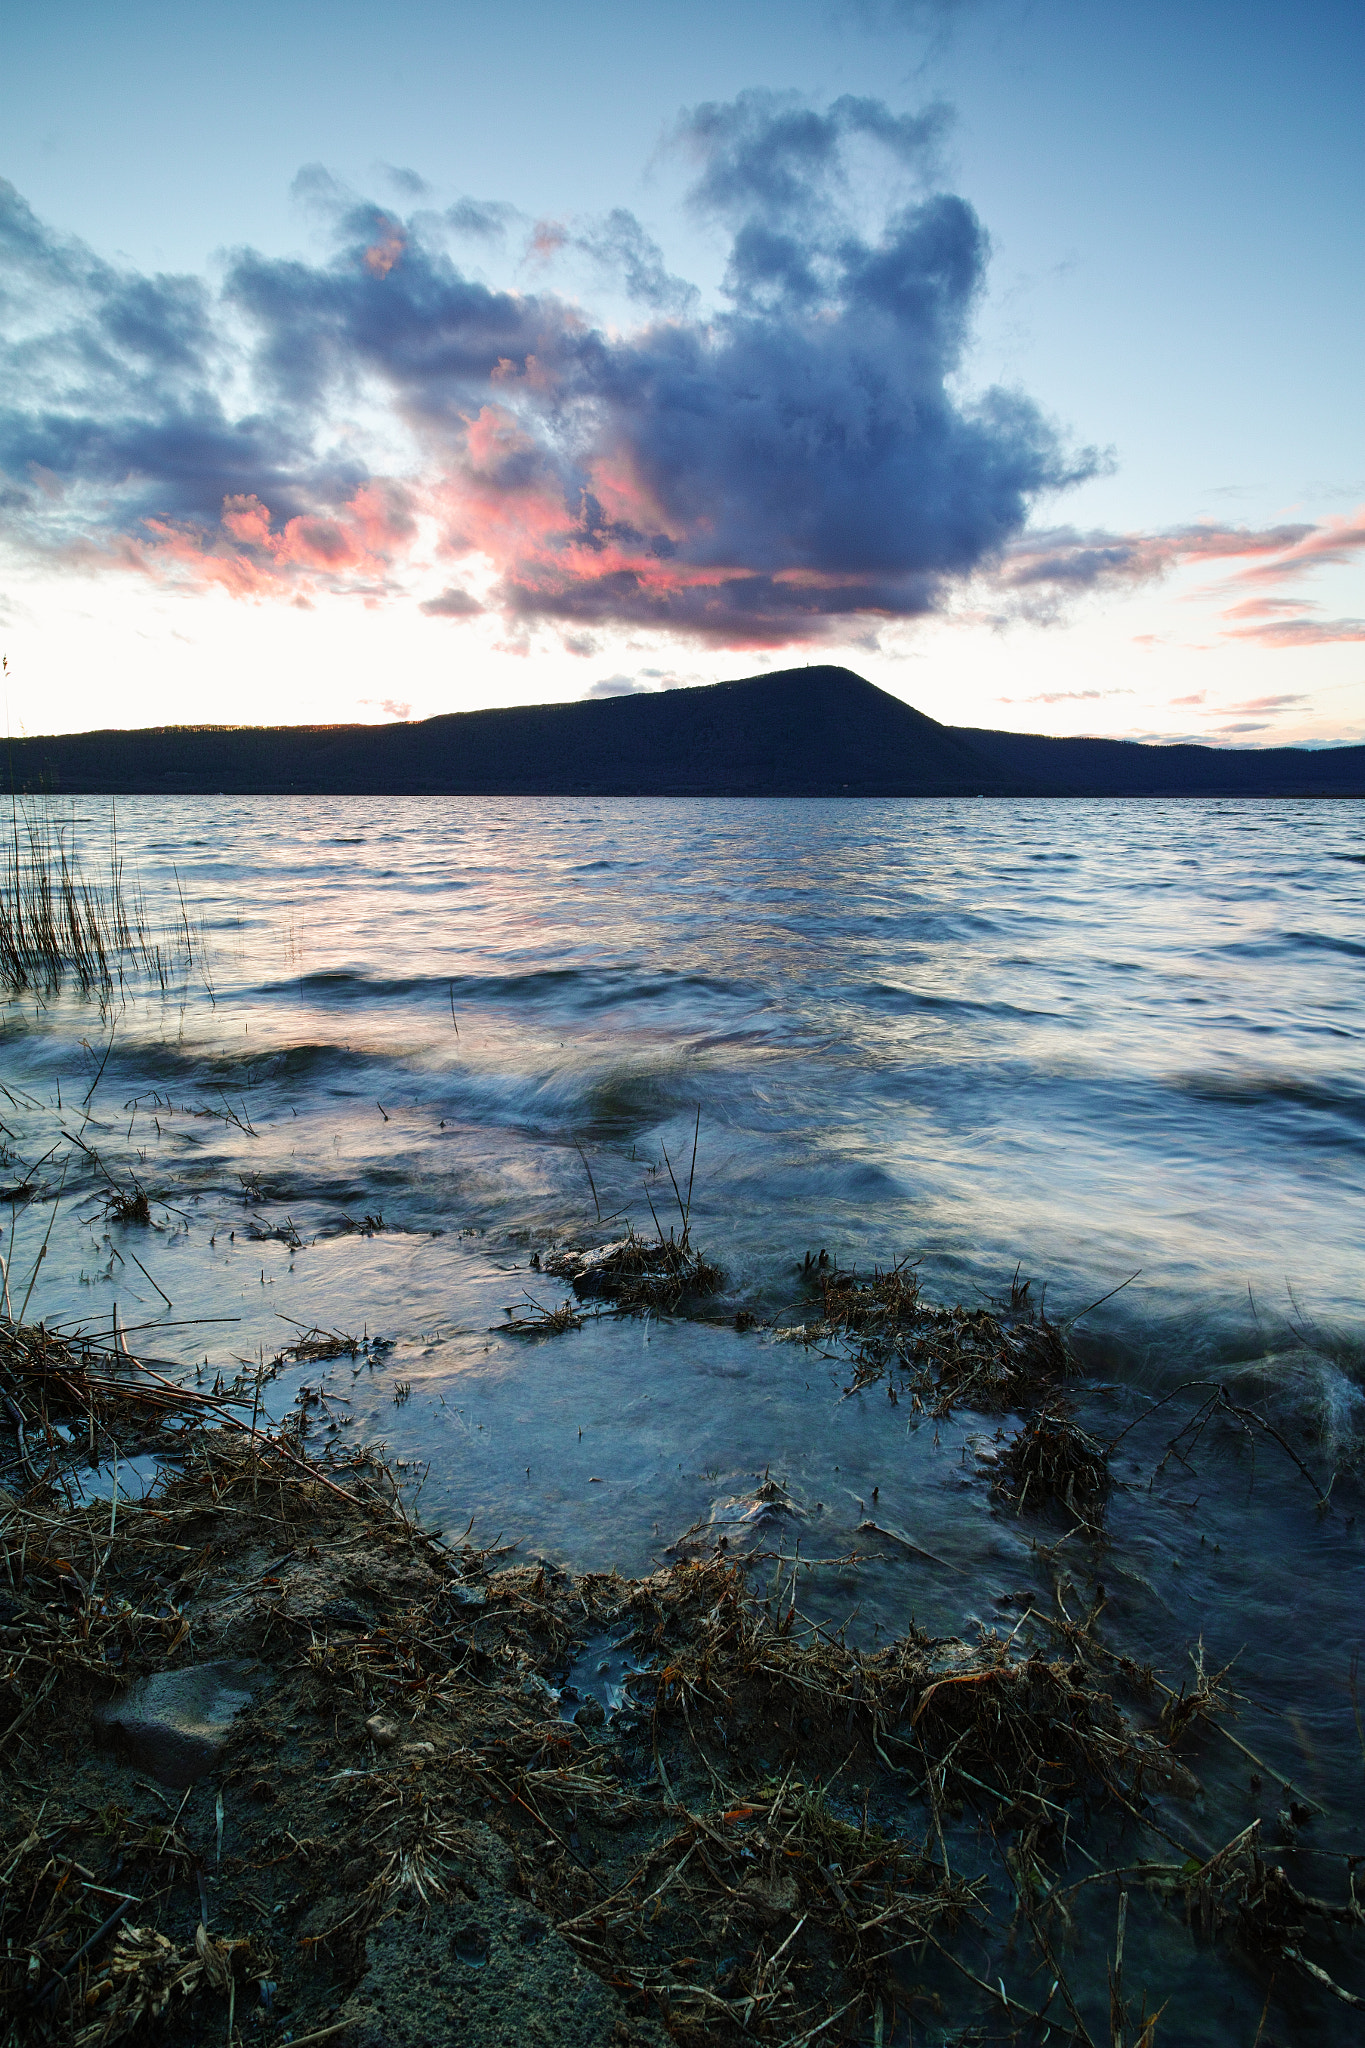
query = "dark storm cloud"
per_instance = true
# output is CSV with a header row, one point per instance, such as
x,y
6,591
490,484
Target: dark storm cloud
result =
x,y
764,476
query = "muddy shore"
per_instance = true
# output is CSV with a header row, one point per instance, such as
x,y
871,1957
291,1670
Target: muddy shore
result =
x,y
282,1765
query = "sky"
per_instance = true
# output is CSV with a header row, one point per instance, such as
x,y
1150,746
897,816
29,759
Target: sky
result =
x,y
367,363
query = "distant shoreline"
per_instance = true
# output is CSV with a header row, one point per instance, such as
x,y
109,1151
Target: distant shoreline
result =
x,y
807,732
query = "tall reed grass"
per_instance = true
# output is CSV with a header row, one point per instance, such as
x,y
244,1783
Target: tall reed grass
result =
x,y
60,923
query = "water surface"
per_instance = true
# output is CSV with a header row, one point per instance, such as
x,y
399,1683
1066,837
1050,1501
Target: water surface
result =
x,y
1088,1039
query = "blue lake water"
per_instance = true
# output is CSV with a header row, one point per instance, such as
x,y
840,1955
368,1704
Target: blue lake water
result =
x,y
1089,1039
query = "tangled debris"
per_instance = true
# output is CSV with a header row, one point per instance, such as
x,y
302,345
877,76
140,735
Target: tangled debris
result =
x,y
944,1358
637,1273
1052,1459
129,1205
530,1318
421,1830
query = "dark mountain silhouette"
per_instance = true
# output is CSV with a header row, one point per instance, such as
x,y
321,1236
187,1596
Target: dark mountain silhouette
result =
x,y
801,732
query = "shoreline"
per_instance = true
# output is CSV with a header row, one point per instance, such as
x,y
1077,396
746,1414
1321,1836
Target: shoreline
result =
x,y
423,1824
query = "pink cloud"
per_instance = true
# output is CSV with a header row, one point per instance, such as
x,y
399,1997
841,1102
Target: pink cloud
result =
x,y
1069,561
1042,572
383,253
351,552
1064,696
1334,543
1302,632
547,238
1268,608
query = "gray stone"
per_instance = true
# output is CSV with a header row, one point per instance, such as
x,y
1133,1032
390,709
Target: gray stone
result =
x,y
175,1724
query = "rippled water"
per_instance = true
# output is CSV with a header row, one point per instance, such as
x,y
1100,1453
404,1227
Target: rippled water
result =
x,y
1094,1039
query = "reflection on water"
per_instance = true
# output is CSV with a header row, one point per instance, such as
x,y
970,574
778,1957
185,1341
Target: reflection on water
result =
x,y
1091,1037
1095,1039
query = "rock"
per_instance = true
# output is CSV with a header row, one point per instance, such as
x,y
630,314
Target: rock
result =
x,y
344,1614
591,1714
175,1724
382,1733
739,1521
466,1596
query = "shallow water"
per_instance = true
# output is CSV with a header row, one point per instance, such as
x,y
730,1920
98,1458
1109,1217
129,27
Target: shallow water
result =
x,y
1094,1039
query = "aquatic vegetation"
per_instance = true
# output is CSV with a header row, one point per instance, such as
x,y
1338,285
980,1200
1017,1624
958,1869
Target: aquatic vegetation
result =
x,y
59,923
530,1318
128,1205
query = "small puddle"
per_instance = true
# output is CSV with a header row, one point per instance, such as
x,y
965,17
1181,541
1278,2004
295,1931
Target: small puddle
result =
x,y
599,1672
134,1478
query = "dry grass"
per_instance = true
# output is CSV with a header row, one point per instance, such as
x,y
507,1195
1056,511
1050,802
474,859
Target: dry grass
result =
x,y
780,1838
1053,1460
637,1274
942,1357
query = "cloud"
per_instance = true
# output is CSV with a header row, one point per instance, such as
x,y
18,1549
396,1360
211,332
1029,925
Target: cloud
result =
x,y
1066,563
1302,632
1196,697
410,183
1267,608
1288,621
1040,575
451,604
935,17
619,686
1065,697
1283,703
1334,542
622,248
796,464
485,219
645,680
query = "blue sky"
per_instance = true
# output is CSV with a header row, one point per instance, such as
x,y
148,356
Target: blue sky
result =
x,y
1009,353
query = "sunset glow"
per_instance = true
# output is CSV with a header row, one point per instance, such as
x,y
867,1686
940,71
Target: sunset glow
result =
x,y
541,457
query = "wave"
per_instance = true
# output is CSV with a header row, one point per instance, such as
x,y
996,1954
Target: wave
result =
x,y
1335,1097
567,987
894,1000
1292,941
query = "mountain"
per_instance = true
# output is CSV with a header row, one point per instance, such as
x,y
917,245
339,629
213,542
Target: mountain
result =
x,y
819,731
1051,767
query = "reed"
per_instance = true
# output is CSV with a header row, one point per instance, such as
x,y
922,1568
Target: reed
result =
x,y
64,924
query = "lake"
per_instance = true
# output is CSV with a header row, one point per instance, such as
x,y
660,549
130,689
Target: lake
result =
x,y
1113,1046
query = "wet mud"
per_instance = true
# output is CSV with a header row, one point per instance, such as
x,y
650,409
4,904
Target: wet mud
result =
x,y
281,1764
